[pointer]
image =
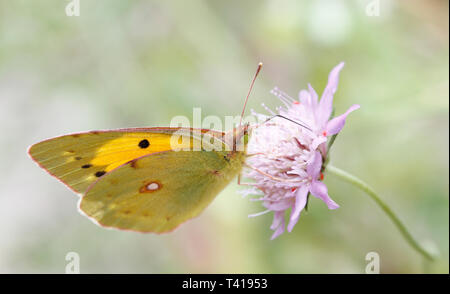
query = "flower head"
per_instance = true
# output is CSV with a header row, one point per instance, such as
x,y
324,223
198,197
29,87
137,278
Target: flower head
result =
x,y
286,158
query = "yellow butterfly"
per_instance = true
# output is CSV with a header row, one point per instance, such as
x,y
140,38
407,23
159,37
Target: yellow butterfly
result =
x,y
132,179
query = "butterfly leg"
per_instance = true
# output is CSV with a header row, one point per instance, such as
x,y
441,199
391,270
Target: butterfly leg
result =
x,y
243,184
239,176
273,177
253,154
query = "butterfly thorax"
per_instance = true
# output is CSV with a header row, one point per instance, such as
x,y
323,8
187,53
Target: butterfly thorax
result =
x,y
237,138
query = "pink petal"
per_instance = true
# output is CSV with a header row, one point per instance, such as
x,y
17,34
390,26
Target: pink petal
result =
x,y
335,125
300,202
319,190
309,98
304,98
317,141
278,205
278,217
279,230
323,149
326,101
314,97
313,169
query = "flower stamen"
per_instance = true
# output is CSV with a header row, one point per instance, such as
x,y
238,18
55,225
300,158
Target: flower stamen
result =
x,y
275,178
259,213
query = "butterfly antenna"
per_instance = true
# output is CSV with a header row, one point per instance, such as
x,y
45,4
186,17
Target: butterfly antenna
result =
x,y
249,91
300,123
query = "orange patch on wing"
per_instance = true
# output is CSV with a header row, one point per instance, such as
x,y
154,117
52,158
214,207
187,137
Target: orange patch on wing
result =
x,y
124,149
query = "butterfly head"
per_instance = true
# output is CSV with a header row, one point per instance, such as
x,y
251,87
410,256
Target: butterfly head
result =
x,y
238,137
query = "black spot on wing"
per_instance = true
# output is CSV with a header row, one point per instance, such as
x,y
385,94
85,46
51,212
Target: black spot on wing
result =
x,y
144,144
100,173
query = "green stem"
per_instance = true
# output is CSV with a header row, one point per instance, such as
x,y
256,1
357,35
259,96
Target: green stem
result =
x,y
369,191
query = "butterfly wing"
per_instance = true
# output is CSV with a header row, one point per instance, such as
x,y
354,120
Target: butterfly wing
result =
x,y
157,192
78,160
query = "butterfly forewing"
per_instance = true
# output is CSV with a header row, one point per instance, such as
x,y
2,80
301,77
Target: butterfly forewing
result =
x,y
78,160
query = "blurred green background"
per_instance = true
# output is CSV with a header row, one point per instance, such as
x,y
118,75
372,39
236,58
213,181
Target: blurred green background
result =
x,y
139,63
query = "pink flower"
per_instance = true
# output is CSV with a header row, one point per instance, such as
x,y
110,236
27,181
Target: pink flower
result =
x,y
316,114
286,158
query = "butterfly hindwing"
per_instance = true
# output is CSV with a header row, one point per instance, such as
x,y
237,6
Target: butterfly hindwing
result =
x,y
157,192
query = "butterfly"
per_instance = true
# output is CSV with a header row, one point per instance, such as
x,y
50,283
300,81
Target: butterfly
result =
x,y
133,179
